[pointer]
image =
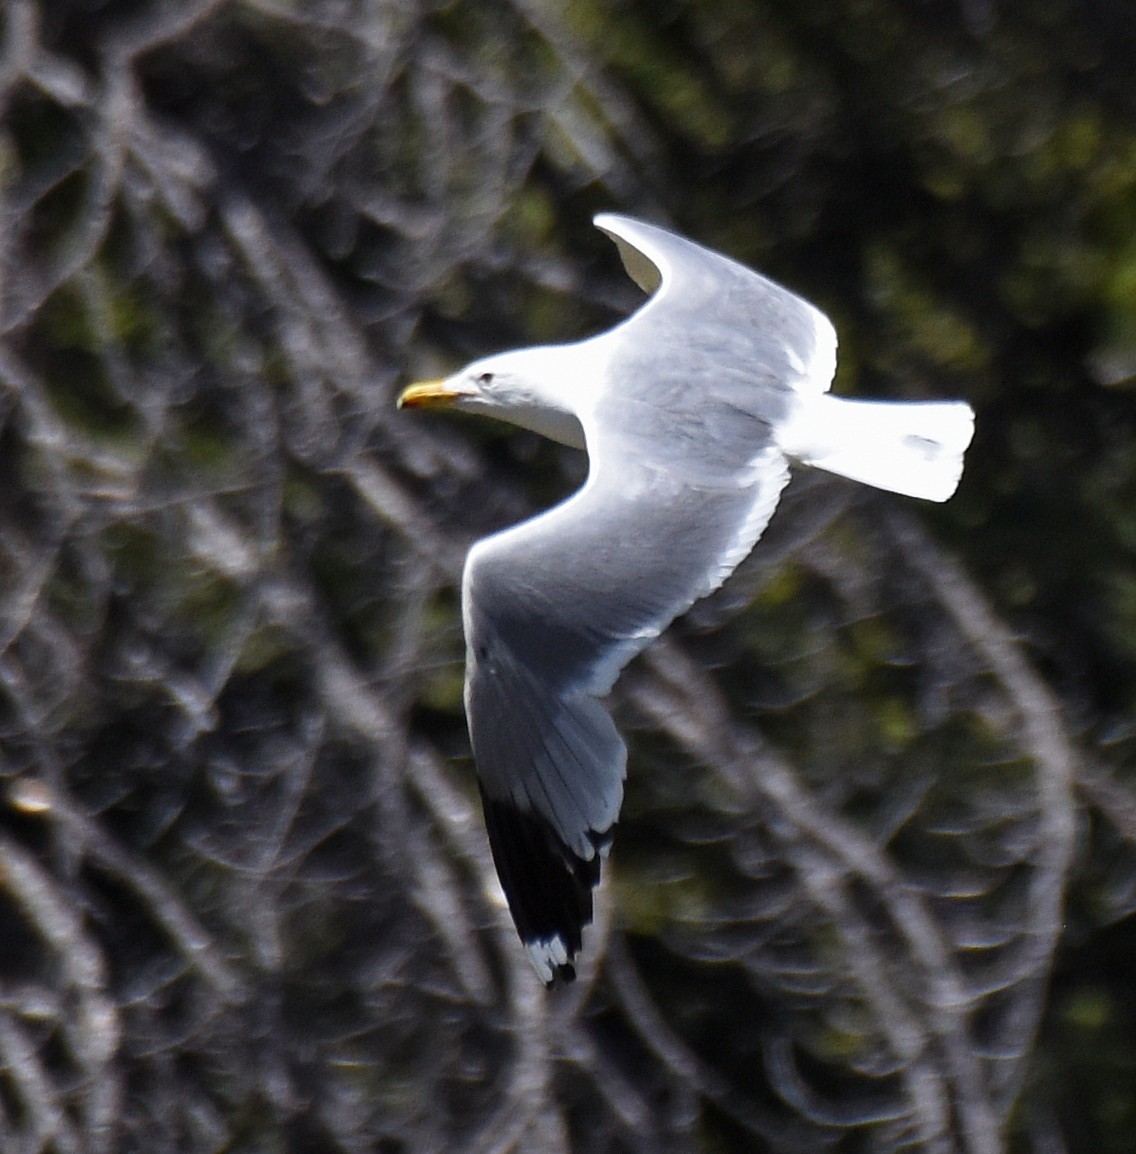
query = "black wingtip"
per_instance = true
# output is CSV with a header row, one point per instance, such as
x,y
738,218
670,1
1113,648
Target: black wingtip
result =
x,y
548,887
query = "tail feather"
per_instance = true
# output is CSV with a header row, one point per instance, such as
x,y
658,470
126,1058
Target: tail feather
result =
x,y
910,447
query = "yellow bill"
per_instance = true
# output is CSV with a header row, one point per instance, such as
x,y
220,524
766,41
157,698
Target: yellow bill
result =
x,y
426,395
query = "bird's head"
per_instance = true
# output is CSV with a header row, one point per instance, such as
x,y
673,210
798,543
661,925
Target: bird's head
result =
x,y
537,389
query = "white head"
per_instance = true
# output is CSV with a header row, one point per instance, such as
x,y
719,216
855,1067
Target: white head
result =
x,y
540,389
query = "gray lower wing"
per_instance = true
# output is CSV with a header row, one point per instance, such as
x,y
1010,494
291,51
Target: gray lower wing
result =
x,y
554,608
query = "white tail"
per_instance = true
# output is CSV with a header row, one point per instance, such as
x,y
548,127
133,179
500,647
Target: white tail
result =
x,y
909,447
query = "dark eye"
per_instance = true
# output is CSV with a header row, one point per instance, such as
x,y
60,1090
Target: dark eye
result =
x,y
485,379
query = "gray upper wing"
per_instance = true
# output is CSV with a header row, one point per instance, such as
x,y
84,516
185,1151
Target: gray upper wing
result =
x,y
732,316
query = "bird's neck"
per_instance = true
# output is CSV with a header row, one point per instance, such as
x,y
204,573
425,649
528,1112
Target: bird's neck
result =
x,y
572,375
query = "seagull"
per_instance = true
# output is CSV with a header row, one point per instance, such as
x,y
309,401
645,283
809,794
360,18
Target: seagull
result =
x,y
690,411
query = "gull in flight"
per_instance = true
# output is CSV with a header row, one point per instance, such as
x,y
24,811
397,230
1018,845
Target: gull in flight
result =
x,y
690,410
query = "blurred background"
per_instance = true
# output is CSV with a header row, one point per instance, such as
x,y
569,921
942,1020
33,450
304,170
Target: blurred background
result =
x,y
874,883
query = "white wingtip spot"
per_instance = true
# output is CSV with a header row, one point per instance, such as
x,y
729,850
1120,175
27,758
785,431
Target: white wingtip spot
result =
x,y
546,955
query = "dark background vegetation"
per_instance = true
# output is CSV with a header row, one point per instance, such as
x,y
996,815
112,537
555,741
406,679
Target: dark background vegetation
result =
x,y
874,885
